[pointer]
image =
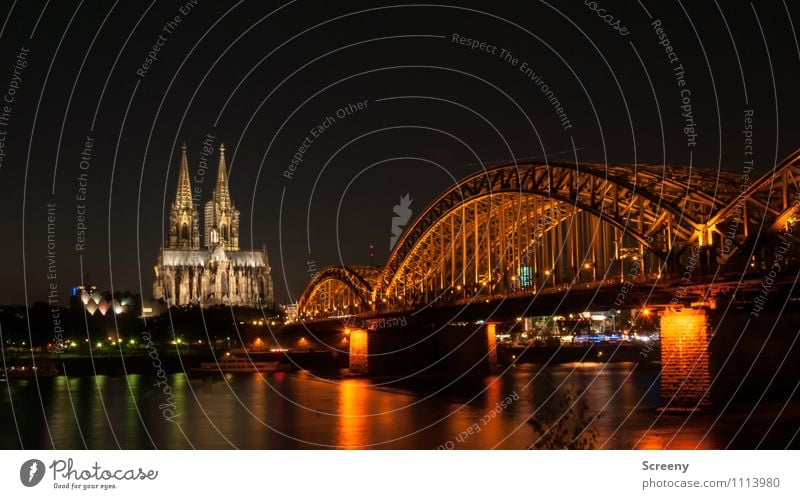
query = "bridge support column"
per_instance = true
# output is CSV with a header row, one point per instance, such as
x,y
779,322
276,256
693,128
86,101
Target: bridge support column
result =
x,y
685,370
359,351
491,344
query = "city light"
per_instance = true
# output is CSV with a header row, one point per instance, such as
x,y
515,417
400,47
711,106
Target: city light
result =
x,y
518,282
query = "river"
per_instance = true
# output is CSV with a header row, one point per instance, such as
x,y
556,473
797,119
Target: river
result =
x,y
301,411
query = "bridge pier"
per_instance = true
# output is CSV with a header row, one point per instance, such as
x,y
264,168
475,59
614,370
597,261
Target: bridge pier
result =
x,y
491,344
685,368
713,358
359,351
448,350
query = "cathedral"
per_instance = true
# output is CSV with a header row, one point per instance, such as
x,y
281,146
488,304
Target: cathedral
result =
x,y
219,272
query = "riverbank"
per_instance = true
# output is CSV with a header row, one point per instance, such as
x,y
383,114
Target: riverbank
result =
x,y
323,362
139,363
584,352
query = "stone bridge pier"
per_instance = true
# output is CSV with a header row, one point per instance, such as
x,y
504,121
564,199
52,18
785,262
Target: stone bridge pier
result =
x,y
685,368
452,350
724,357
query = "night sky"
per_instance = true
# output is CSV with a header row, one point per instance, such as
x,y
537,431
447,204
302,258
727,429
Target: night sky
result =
x,y
259,76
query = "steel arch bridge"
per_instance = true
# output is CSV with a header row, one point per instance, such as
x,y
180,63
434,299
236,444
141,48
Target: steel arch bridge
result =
x,y
340,290
523,227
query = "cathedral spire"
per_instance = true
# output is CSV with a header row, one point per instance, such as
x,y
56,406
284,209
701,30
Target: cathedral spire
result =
x,y
183,198
184,224
221,193
221,217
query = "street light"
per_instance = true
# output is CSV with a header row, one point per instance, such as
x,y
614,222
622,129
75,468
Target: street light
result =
x,y
593,267
547,274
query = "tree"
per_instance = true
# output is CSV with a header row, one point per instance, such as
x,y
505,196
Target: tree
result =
x,y
565,424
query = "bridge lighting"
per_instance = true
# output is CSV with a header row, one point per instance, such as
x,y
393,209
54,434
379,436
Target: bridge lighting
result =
x,y
646,311
588,265
546,272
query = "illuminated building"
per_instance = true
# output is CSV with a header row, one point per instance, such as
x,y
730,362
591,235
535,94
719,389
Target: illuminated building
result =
x,y
94,301
219,273
290,312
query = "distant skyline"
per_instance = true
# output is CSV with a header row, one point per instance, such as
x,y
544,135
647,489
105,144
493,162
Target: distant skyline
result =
x,y
333,113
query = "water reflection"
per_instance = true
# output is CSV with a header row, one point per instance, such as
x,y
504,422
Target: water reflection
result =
x,y
353,422
295,410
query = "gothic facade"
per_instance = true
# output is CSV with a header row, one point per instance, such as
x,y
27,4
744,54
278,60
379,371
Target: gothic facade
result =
x,y
219,273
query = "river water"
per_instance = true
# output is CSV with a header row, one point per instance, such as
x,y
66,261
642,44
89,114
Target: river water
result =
x,y
300,411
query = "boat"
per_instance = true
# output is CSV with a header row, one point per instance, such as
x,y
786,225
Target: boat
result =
x,y
42,370
232,364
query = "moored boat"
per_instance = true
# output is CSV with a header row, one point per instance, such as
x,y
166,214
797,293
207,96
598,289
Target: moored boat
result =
x,y
232,364
41,370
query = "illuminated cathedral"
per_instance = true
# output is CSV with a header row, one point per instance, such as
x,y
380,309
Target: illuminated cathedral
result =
x,y
219,273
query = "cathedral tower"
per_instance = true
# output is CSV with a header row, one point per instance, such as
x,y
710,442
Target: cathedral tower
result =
x,y
184,222
220,273
221,217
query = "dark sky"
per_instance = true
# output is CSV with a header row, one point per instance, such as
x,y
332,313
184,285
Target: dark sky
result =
x,y
260,75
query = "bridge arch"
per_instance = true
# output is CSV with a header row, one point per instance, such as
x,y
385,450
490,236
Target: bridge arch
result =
x,y
518,226
764,206
528,225
338,290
